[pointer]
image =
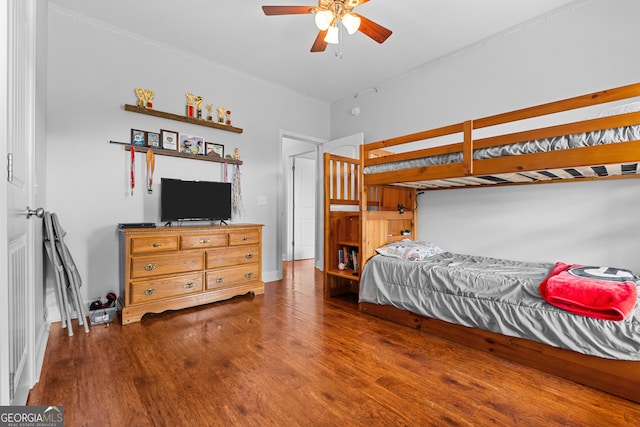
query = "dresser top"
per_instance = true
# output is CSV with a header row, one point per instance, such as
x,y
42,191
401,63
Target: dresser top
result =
x,y
187,229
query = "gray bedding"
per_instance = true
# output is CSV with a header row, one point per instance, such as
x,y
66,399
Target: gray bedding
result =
x,y
601,137
497,295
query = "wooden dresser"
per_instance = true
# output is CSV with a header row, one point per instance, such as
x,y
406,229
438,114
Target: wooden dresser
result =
x,y
169,268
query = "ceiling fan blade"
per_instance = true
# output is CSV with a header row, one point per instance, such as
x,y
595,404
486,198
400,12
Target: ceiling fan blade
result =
x,y
362,2
376,31
287,10
319,45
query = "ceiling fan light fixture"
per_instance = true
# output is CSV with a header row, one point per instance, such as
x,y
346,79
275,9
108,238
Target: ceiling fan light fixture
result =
x,y
326,17
351,23
323,19
332,35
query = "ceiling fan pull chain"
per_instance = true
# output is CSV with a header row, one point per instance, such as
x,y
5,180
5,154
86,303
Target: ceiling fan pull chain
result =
x,y
339,45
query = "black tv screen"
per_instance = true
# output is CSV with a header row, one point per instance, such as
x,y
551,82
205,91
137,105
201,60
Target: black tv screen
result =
x,y
182,200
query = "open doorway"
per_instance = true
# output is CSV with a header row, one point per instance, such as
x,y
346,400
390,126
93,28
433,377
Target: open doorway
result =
x,y
299,147
300,206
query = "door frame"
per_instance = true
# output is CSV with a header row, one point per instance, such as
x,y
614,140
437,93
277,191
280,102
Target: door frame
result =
x,y
322,146
282,196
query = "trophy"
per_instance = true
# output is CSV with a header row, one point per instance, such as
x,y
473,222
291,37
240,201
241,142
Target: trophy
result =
x,y
221,115
190,106
140,94
228,122
148,95
199,106
209,107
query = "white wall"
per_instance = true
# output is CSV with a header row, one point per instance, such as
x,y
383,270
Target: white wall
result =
x,y
585,47
93,70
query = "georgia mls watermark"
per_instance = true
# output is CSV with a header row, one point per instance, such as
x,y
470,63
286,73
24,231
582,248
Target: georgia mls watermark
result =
x,y
31,416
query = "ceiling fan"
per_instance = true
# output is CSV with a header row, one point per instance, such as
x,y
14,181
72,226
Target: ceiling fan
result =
x,y
328,13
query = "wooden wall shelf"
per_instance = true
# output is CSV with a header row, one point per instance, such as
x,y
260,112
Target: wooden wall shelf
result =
x,y
172,153
185,119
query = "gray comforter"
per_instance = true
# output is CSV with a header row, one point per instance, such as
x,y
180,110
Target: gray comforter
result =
x,y
497,295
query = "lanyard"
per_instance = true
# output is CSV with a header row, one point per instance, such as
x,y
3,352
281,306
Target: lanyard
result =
x,y
133,169
151,165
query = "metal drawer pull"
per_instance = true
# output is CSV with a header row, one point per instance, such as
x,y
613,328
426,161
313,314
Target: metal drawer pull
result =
x,y
248,275
248,256
150,267
189,285
149,292
156,245
219,279
205,240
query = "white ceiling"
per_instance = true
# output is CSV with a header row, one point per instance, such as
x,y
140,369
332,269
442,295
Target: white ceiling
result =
x,y
237,35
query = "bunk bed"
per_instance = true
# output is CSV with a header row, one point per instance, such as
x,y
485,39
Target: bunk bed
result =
x,y
513,151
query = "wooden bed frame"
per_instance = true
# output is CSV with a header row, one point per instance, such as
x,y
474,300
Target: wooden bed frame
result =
x,y
620,378
520,169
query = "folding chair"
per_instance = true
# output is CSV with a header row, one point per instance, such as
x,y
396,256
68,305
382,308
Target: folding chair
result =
x,y
67,276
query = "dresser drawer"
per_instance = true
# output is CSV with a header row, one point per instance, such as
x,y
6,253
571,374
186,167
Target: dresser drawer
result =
x,y
244,237
203,241
152,290
229,277
153,244
232,256
156,265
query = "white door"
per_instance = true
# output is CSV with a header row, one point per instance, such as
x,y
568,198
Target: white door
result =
x,y
17,72
348,146
304,207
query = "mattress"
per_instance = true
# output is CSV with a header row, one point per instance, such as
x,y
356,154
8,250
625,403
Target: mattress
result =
x,y
498,295
585,139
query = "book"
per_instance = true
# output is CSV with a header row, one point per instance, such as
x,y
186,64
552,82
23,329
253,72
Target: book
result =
x,y
354,258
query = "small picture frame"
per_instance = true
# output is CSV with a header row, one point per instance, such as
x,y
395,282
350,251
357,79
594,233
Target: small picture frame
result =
x,y
138,137
191,144
153,139
169,139
215,150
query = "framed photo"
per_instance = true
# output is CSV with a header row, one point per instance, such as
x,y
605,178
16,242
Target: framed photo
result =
x,y
169,139
138,137
191,144
153,139
215,150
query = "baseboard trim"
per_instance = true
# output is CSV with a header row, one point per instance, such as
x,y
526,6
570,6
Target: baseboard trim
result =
x,y
40,349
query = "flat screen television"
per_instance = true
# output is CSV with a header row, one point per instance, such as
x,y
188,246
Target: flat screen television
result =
x,y
182,200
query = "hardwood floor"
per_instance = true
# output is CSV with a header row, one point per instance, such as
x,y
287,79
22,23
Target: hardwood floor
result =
x,y
290,358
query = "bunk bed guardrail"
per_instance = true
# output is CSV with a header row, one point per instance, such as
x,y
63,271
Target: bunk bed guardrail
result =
x,y
595,148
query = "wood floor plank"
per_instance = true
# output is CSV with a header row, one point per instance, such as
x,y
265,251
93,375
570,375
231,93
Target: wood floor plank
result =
x,y
289,357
